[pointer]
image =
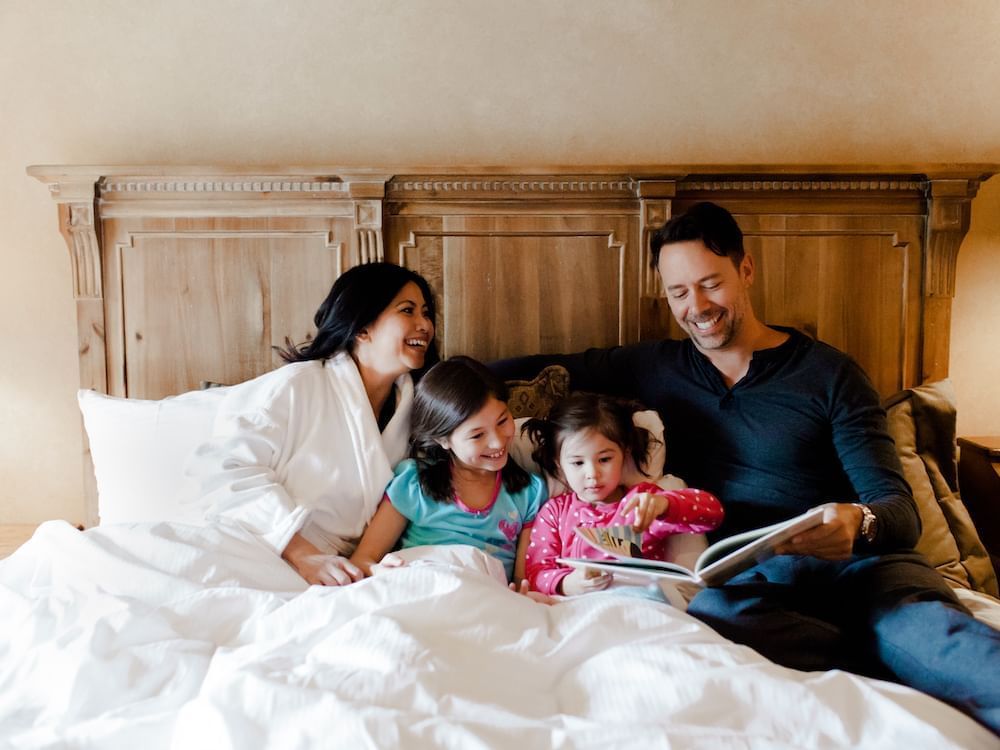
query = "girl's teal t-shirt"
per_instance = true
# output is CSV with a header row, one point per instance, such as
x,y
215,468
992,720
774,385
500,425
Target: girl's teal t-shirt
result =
x,y
493,529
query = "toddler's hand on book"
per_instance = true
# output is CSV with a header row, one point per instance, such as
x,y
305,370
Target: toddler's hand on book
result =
x,y
648,506
585,581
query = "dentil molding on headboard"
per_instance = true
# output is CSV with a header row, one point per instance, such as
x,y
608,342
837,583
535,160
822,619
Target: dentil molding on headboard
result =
x,y
189,273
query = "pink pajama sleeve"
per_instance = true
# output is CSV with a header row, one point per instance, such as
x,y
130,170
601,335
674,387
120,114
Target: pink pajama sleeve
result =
x,y
543,572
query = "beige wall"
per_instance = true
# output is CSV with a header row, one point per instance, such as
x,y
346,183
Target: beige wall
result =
x,y
556,82
975,323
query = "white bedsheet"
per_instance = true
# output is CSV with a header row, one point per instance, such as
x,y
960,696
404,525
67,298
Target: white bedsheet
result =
x,y
170,636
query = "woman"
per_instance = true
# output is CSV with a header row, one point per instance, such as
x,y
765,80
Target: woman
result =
x,y
300,456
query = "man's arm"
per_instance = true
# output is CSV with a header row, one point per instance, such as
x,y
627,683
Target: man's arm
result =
x,y
868,454
859,435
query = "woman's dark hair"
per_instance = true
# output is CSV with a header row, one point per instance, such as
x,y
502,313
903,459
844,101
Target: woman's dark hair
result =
x,y
355,301
710,223
611,417
448,394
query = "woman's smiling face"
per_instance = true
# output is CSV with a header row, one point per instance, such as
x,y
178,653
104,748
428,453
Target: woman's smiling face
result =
x,y
398,339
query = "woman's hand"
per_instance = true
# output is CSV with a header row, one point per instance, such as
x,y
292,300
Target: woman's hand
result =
x,y
585,581
317,568
328,570
648,506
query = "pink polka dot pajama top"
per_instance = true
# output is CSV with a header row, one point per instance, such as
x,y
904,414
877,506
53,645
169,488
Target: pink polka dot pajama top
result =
x,y
690,511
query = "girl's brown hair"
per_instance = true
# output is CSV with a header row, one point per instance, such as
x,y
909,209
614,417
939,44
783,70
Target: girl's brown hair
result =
x,y
580,411
452,391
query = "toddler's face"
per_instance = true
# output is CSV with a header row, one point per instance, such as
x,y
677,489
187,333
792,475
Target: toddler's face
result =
x,y
482,441
592,466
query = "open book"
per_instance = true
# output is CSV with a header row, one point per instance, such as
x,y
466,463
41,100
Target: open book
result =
x,y
716,565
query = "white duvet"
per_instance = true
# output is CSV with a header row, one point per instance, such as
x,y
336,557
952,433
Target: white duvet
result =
x,y
170,636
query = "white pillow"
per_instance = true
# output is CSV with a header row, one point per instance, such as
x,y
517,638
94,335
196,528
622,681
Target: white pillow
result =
x,y
522,447
139,448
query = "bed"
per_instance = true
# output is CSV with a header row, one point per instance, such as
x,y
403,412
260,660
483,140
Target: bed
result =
x,y
149,629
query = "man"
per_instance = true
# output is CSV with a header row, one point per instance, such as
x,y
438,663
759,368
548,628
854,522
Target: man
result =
x,y
774,423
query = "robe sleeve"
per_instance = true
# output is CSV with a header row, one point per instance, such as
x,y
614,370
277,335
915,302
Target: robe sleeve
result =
x,y
236,474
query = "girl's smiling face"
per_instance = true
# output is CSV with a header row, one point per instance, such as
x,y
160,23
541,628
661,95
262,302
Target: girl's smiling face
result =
x,y
591,465
482,442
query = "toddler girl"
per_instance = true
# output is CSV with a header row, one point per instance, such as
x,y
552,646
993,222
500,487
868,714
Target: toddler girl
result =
x,y
584,442
460,486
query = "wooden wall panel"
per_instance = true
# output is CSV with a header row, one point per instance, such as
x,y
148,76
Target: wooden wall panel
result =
x,y
199,307
195,309
209,299
517,285
846,281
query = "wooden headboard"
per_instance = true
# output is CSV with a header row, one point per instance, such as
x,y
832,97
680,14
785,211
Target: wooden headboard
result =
x,y
187,274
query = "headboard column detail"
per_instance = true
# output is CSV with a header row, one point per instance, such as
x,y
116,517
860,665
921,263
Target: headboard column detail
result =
x,y
75,198
655,208
948,214
367,245
81,231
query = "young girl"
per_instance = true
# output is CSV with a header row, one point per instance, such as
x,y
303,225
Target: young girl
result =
x,y
460,487
584,442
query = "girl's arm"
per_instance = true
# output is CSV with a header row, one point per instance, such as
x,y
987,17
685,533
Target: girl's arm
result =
x,y
523,540
384,530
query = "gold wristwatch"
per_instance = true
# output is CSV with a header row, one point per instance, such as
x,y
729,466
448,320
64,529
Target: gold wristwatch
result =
x,y
867,530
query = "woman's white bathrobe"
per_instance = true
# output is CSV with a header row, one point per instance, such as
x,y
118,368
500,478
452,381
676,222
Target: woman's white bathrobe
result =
x,y
299,450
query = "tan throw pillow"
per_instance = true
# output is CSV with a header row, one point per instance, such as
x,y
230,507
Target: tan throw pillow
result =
x,y
922,422
535,398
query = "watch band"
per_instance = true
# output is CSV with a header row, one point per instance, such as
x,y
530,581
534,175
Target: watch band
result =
x,y
867,530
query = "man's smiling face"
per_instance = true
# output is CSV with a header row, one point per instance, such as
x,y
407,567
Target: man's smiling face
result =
x,y
708,295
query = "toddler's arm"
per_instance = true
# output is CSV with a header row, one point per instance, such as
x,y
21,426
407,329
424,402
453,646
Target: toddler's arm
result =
x,y
545,545
688,511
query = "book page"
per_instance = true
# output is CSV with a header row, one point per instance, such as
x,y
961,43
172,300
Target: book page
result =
x,y
723,547
678,587
618,541
678,592
623,543
756,551
645,569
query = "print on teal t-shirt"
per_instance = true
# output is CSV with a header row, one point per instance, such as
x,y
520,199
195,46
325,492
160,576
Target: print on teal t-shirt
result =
x,y
494,529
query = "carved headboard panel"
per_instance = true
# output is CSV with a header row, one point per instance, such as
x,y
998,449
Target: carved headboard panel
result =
x,y
185,274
